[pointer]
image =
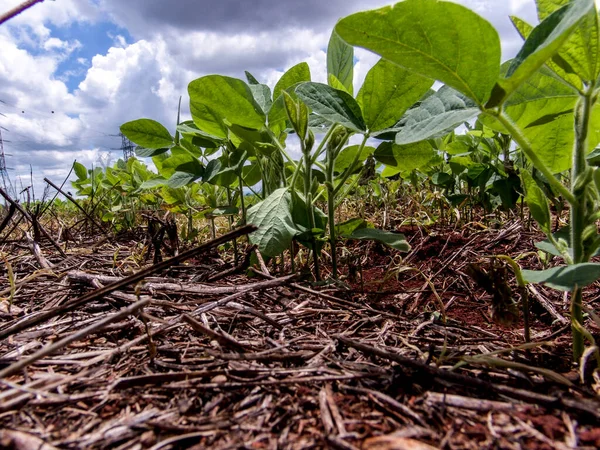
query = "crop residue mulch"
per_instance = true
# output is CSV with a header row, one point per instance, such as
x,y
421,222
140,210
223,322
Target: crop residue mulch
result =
x,y
270,362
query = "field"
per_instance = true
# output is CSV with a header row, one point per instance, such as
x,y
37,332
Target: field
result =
x,y
422,274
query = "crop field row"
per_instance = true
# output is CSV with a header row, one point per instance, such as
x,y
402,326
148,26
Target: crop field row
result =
x,y
412,265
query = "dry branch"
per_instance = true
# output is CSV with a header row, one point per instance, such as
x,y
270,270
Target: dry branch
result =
x,y
74,304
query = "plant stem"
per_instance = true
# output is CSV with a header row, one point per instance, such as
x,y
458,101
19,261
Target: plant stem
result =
x,y
578,218
331,208
520,139
309,205
349,170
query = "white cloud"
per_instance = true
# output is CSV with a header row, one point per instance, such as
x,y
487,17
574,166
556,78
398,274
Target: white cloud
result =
x,y
145,77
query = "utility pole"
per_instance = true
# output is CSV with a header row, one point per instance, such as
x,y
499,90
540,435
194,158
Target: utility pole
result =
x,y
127,147
3,169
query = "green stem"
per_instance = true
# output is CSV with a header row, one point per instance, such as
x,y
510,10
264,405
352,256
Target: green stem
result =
x,y
242,201
322,144
331,209
523,142
283,151
309,205
578,218
349,170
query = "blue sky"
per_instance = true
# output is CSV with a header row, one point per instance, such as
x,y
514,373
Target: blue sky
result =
x,y
100,63
96,39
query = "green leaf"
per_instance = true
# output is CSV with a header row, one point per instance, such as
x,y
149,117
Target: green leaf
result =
x,y
564,235
142,152
211,170
435,116
199,137
154,182
179,179
347,155
216,98
437,39
251,174
273,218
297,113
262,95
340,61
80,171
565,278
225,211
302,221
541,44
336,84
537,202
297,74
387,93
147,133
580,54
557,67
405,157
333,105
394,240
350,226
172,196
543,108
250,78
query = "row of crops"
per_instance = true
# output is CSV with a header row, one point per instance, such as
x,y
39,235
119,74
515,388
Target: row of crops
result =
x,y
494,135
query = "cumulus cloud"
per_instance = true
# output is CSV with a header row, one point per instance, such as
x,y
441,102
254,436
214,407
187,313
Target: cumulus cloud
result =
x,y
170,44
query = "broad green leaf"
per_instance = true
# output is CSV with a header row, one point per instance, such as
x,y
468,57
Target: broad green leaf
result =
x,y
154,182
435,116
80,171
147,133
557,67
537,202
340,61
250,78
394,240
251,174
216,98
437,39
347,155
180,179
541,44
564,235
405,157
142,152
273,218
580,54
387,93
302,222
542,107
333,105
172,196
300,73
225,211
199,137
336,84
262,95
179,157
547,7
297,113
210,121
349,226
565,278
211,170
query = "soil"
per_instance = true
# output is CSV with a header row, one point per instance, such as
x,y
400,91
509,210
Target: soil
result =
x,y
408,351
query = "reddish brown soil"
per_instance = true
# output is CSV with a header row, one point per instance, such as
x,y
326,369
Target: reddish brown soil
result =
x,y
367,364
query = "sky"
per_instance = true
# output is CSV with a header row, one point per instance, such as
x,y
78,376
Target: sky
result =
x,y
73,71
